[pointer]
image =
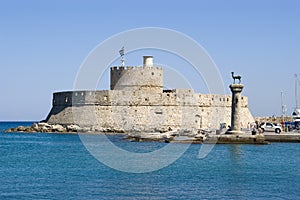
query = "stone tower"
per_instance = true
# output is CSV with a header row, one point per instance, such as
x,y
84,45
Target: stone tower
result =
x,y
236,90
146,78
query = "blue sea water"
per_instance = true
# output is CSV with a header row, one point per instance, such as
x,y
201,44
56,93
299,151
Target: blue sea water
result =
x,y
57,166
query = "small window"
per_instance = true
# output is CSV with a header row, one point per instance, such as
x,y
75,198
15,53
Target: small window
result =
x,y
152,73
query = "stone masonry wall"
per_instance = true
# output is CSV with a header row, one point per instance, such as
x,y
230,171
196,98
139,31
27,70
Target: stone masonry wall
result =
x,y
136,78
126,110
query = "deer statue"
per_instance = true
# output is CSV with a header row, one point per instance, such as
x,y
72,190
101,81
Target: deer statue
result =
x,y
236,77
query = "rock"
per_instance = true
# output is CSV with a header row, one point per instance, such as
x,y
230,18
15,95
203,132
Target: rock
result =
x,y
99,129
58,128
44,129
35,126
20,128
84,129
107,130
73,128
43,124
29,129
10,130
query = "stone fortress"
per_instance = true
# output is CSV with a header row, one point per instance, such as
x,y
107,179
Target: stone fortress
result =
x,y
137,102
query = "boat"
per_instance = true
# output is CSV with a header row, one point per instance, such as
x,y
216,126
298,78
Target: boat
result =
x,y
296,118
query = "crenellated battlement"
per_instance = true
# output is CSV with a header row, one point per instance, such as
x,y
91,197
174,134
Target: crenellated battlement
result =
x,y
120,68
126,97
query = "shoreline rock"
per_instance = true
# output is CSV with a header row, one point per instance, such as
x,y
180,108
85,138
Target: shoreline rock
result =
x,y
200,136
40,127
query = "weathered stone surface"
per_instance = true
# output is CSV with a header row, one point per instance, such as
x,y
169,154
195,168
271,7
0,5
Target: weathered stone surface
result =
x,y
156,136
73,128
236,112
58,128
138,103
10,130
35,126
237,139
29,129
43,124
21,128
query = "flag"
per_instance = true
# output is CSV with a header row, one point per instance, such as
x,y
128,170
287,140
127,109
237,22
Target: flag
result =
x,y
122,51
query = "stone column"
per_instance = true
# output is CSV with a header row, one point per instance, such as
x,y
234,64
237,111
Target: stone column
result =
x,y
236,90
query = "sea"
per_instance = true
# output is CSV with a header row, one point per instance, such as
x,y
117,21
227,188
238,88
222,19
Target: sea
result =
x,y
59,166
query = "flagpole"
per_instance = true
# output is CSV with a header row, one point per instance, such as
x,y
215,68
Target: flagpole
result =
x,y
122,52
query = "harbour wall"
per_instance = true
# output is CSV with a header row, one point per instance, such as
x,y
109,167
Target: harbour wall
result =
x,y
137,110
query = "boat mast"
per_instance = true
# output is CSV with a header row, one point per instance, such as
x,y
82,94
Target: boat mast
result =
x,y
283,108
296,91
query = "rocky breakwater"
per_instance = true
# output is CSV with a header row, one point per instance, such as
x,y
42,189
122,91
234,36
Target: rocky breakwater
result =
x,y
49,128
198,136
180,136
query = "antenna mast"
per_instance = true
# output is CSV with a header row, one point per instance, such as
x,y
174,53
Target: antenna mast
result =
x,y
122,52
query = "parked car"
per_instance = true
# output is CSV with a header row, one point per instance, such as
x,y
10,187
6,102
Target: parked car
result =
x,y
269,127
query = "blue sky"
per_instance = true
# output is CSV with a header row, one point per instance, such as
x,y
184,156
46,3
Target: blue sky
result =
x,y
43,44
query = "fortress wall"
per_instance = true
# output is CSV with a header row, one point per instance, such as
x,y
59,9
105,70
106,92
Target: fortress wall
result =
x,y
62,99
144,118
214,100
124,110
101,97
136,78
124,97
140,118
218,100
244,101
60,115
